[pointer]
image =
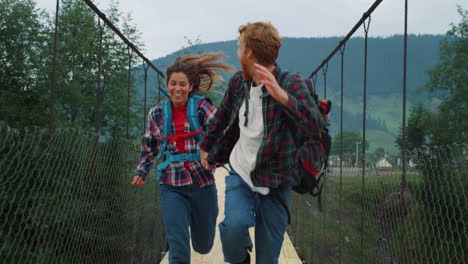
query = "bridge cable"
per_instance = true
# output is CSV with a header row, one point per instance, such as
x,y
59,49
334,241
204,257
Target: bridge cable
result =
x,y
366,37
145,68
403,127
324,71
53,82
99,95
323,195
117,31
129,51
159,88
342,42
314,80
342,53
404,186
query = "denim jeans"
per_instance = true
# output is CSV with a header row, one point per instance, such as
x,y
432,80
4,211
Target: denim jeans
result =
x,y
244,209
184,207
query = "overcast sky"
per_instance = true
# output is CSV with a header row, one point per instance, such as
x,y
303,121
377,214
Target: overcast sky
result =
x,y
164,24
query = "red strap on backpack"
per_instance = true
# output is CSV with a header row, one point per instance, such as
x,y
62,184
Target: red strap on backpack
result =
x,y
174,138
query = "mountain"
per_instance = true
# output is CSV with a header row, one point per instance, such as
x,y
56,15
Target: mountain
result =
x,y
384,76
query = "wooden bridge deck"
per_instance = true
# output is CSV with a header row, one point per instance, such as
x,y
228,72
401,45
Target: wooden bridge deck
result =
x,y
288,253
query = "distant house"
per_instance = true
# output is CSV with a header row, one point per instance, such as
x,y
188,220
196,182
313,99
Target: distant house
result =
x,y
383,163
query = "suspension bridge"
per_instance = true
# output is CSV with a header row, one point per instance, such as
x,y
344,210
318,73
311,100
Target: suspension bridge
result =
x,y
65,194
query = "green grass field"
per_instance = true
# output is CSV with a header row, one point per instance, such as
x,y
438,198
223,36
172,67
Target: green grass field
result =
x,y
375,222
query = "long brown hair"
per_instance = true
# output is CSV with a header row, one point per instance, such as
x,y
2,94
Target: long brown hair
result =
x,y
201,70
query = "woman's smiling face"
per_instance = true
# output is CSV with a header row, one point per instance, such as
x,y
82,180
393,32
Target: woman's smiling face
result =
x,y
179,88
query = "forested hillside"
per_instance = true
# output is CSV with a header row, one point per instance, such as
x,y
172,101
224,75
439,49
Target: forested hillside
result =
x,y
385,76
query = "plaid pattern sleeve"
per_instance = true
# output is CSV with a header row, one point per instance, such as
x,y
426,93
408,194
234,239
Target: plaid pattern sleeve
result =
x,y
206,113
278,156
177,173
150,143
301,108
214,140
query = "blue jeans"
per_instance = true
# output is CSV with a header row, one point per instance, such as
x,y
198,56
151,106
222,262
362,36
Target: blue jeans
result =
x,y
244,209
184,207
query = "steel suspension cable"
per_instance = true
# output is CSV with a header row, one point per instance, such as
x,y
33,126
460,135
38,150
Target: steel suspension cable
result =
x,y
117,31
403,127
145,68
99,88
53,82
343,41
314,81
363,164
325,71
129,51
322,205
342,51
159,90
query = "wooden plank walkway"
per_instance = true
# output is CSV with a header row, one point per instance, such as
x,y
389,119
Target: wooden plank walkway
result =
x,y
288,253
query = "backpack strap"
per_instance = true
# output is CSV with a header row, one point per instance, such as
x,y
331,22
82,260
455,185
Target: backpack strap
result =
x,y
283,78
192,115
311,88
197,132
167,125
178,158
281,81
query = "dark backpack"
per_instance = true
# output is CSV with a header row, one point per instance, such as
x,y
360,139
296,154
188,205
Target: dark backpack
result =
x,y
313,152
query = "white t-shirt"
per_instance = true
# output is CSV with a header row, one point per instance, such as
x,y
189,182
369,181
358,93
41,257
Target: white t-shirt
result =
x,y
244,155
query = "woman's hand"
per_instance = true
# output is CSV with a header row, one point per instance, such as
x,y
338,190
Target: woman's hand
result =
x,y
138,181
204,162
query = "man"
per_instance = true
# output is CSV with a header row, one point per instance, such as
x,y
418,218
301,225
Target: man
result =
x,y
254,131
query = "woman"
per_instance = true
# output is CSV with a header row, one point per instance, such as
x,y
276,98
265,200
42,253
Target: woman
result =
x,y
188,193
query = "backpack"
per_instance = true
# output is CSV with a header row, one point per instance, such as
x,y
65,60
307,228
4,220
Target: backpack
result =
x,y
313,152
197,132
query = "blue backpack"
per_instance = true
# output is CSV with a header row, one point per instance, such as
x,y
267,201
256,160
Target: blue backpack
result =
x,y
197,132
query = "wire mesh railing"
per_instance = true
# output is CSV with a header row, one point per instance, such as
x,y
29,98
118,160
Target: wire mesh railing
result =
x,y
65,195
68,199
424,222
414,214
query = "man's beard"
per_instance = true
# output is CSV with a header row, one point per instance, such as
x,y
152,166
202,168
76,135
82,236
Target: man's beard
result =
x,y
245,72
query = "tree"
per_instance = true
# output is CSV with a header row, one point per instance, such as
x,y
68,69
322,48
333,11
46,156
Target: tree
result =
x,y
430,139
22,53
62,199
450,77
352,146
350,139
115,77
78,67
77,64
418,128
449,80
